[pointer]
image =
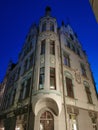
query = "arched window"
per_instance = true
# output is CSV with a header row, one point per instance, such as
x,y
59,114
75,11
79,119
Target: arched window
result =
x,y
46,121
44,27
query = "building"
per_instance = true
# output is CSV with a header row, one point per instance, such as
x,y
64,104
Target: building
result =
x,y
94,5
51,87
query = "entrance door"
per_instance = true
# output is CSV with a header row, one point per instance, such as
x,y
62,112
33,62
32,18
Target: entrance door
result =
x,y
46,121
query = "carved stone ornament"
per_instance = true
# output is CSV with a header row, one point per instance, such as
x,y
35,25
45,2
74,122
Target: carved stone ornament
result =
x,y
78,76
48,35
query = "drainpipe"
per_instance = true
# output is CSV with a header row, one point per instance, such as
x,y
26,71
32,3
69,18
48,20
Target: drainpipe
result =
x,y
63,86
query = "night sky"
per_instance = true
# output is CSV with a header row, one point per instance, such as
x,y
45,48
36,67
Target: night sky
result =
x,y
16,17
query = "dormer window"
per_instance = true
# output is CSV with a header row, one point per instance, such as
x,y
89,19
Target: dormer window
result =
x,y
44,27
51,27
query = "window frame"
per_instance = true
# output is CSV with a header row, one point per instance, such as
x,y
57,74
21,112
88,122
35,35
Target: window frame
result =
x,y
42,78
52,47
70,90
52,78
43,47
66,59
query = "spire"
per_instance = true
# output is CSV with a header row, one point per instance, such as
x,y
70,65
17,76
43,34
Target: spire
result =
x,y
63,23
47,11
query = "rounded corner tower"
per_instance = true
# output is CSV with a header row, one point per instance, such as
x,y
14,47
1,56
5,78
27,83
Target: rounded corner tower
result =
x,y
47,87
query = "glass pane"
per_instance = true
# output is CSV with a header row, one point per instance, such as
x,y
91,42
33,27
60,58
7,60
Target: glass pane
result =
x,y
46,121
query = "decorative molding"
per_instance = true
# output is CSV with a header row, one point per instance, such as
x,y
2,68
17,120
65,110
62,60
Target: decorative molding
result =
x,y
72,110
78,76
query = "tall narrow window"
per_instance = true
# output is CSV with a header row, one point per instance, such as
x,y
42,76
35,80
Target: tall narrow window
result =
x,y
13,97
28,88
52,78
41,78
66,60
51,27
31,60
69,86
68,44
21,96
43,47
46,121
73,48
52,47
83,70
88,93
25,65
73,122
44,27
78,52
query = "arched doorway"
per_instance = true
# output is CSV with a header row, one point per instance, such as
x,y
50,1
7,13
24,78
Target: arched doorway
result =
x,y
46,121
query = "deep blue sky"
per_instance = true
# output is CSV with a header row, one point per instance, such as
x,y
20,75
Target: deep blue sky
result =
x,y
16,17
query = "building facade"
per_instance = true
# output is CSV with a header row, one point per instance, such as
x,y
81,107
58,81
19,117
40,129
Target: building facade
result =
x,y
94,5
51,87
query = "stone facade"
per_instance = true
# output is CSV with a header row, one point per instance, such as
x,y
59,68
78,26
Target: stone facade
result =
x,y
51,87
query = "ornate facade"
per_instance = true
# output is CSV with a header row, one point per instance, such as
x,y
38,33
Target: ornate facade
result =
x,y
51,87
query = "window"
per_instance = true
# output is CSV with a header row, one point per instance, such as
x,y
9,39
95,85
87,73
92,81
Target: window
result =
x,y
68,44
13,97
66,60
44,27
71,36
46,121
73,122
22,91
88,93
43,47
28,88
31,61
73,48
69,86
52,78
78,52
51,27
41,78
83,70
52,48
25,65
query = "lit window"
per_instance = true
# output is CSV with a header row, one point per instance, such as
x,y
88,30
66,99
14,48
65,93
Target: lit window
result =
x,y
66,59
43,47
69,86
52,78
46,121
44,27
73,122
52,47
41,78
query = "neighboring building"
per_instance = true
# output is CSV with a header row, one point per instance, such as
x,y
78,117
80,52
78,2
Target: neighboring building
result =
x,y
51,86
94,4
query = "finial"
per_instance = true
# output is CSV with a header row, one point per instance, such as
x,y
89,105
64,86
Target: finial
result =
x,y
62,23
48,11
